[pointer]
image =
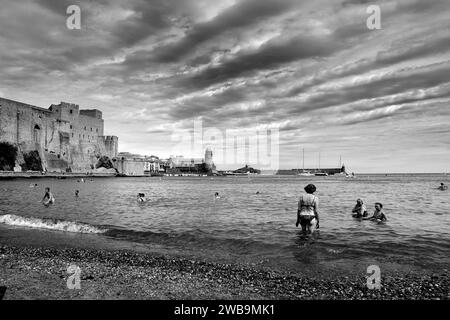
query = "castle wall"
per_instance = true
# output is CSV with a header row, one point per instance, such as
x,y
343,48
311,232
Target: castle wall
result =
x,y
65,136
129,167
111,146
18,122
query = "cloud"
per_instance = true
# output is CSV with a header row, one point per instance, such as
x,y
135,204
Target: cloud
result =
x,y
384,58
240,15
272,54
378,86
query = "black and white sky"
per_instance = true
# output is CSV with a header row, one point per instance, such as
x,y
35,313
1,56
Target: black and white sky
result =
x,y
378,98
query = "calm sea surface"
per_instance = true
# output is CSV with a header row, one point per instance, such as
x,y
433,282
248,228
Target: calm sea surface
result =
x,y
182,217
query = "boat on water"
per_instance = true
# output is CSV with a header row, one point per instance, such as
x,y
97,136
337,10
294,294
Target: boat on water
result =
x,y
350,176
321,174
305,174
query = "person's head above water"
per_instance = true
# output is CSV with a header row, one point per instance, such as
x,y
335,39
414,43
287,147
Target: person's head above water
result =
x,y
216,194
141,195
310,188
359,201
442,184
378,205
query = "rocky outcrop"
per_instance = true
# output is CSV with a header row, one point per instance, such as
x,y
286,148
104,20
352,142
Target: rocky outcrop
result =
x,y
8,155
104,162
32,161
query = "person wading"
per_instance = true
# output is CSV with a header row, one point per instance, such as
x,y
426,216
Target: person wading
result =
x,y
307,213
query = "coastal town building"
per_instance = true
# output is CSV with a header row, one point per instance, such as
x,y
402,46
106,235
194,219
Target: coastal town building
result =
x,y
128,164
62,138
153,165
180,164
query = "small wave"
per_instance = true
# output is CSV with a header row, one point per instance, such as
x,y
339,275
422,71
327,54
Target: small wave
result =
x,y
334,251
51,224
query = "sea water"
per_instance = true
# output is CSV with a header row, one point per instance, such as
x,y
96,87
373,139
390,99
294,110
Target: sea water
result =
x,y
253,221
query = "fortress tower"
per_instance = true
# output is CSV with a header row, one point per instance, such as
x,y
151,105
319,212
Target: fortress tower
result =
x,y
111,146
208,159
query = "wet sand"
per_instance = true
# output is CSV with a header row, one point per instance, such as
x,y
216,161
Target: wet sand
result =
x,y
41,273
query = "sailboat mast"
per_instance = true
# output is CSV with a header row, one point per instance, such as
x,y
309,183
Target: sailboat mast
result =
x,y
319,160
303,166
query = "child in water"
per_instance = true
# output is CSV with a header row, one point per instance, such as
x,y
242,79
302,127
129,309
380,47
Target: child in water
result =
x,y
141,197
360,209
48,198
378,214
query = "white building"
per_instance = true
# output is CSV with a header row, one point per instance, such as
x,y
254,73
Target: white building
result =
x,y
152,164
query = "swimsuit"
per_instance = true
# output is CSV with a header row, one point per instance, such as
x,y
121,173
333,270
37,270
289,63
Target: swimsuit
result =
x,y
307,206
361,211
379,216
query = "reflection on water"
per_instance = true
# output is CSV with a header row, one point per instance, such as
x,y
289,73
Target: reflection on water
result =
x,y
254,220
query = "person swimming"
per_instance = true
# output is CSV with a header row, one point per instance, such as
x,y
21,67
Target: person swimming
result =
x,y
360,209
216,195
443,187
307,212
378,214
77,193
48,198
141,197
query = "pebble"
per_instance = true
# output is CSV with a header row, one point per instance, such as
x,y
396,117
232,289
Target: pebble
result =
x,y
245,282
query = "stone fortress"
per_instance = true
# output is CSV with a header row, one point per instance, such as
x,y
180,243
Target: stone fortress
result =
x,y
65,138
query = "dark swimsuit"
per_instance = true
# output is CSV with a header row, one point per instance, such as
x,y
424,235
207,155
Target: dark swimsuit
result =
x,y
306,220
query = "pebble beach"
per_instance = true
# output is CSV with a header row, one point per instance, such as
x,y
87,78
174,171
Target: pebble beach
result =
x,y
41,273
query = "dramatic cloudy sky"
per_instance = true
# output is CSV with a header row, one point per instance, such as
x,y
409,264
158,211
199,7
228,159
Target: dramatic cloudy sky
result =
x,y
312,69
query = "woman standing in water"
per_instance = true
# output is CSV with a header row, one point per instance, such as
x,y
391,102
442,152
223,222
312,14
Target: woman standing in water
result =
x,y
307,213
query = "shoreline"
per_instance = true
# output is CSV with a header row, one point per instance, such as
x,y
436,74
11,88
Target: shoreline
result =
x,y
41,273
9,175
